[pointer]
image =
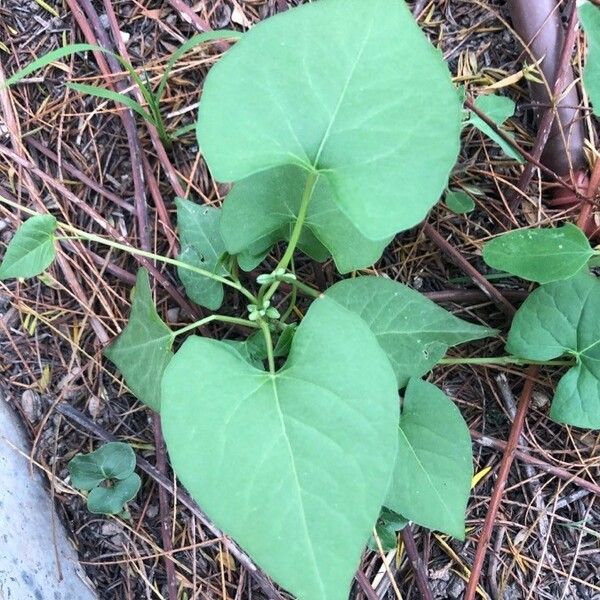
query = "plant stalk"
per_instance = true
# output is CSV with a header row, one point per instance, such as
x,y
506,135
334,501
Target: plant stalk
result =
x,y
503,360
211,318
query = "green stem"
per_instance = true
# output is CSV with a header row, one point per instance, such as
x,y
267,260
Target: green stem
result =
x,y
211,318
503,360
309,291
269,341
309,188
90,237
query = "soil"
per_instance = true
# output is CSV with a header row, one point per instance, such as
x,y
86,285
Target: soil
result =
x,y
67,153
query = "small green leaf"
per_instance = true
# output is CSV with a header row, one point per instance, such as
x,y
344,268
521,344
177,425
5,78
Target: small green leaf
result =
x,y
201,246
562,318
459,202
31,251
590,19
304,454
499,109
358,95
434,468
284,341
387,528
114,460
262,210
542,255
143,349
413,331
110,500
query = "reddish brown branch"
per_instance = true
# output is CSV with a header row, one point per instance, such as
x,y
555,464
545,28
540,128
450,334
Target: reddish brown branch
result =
x,y
480,281
558,88
540,27
507,460
416,563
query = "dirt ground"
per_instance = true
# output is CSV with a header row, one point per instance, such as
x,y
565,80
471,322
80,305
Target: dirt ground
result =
x,y
75,157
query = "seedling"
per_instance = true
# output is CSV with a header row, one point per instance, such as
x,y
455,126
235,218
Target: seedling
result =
x,y
109,477
294,441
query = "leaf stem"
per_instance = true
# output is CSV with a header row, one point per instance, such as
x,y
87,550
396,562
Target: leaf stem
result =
x,y
269,342
503,360
90,237
211,318
309,188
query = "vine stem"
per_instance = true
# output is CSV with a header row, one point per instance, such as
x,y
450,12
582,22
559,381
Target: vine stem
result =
x,y
211,318
507,460
269,341
503,360
309,188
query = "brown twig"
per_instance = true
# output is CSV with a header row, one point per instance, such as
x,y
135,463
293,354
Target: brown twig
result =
x,y
507,460
365,585
261,580
490,442
416,562
480,281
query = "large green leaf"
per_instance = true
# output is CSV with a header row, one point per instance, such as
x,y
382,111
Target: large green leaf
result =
x,y
143,349
201,246
590,19
262,209
31,251
414,332
294,465
542,255
434,468
348,88
563,318
498,109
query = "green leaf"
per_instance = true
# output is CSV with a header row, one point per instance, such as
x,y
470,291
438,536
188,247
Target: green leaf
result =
x,y
110,500
562,318
387,528
117,97
459,202
262,210
542,255
434,468
201,246
114,460
590,19
413,331
499,109
348,88
293,465
143,349
31,251
49,58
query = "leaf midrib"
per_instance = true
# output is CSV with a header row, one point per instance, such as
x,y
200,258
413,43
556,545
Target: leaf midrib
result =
x,y
297,480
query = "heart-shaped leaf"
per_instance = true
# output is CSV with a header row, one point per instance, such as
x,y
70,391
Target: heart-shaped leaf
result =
x,y
262,209
143,349
201,246
590,19
542,255
110,500
294,465
414,332
31,251
562,318
434,468
373,110
114,460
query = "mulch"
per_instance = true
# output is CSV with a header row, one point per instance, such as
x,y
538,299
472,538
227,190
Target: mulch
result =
x,y
74,158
